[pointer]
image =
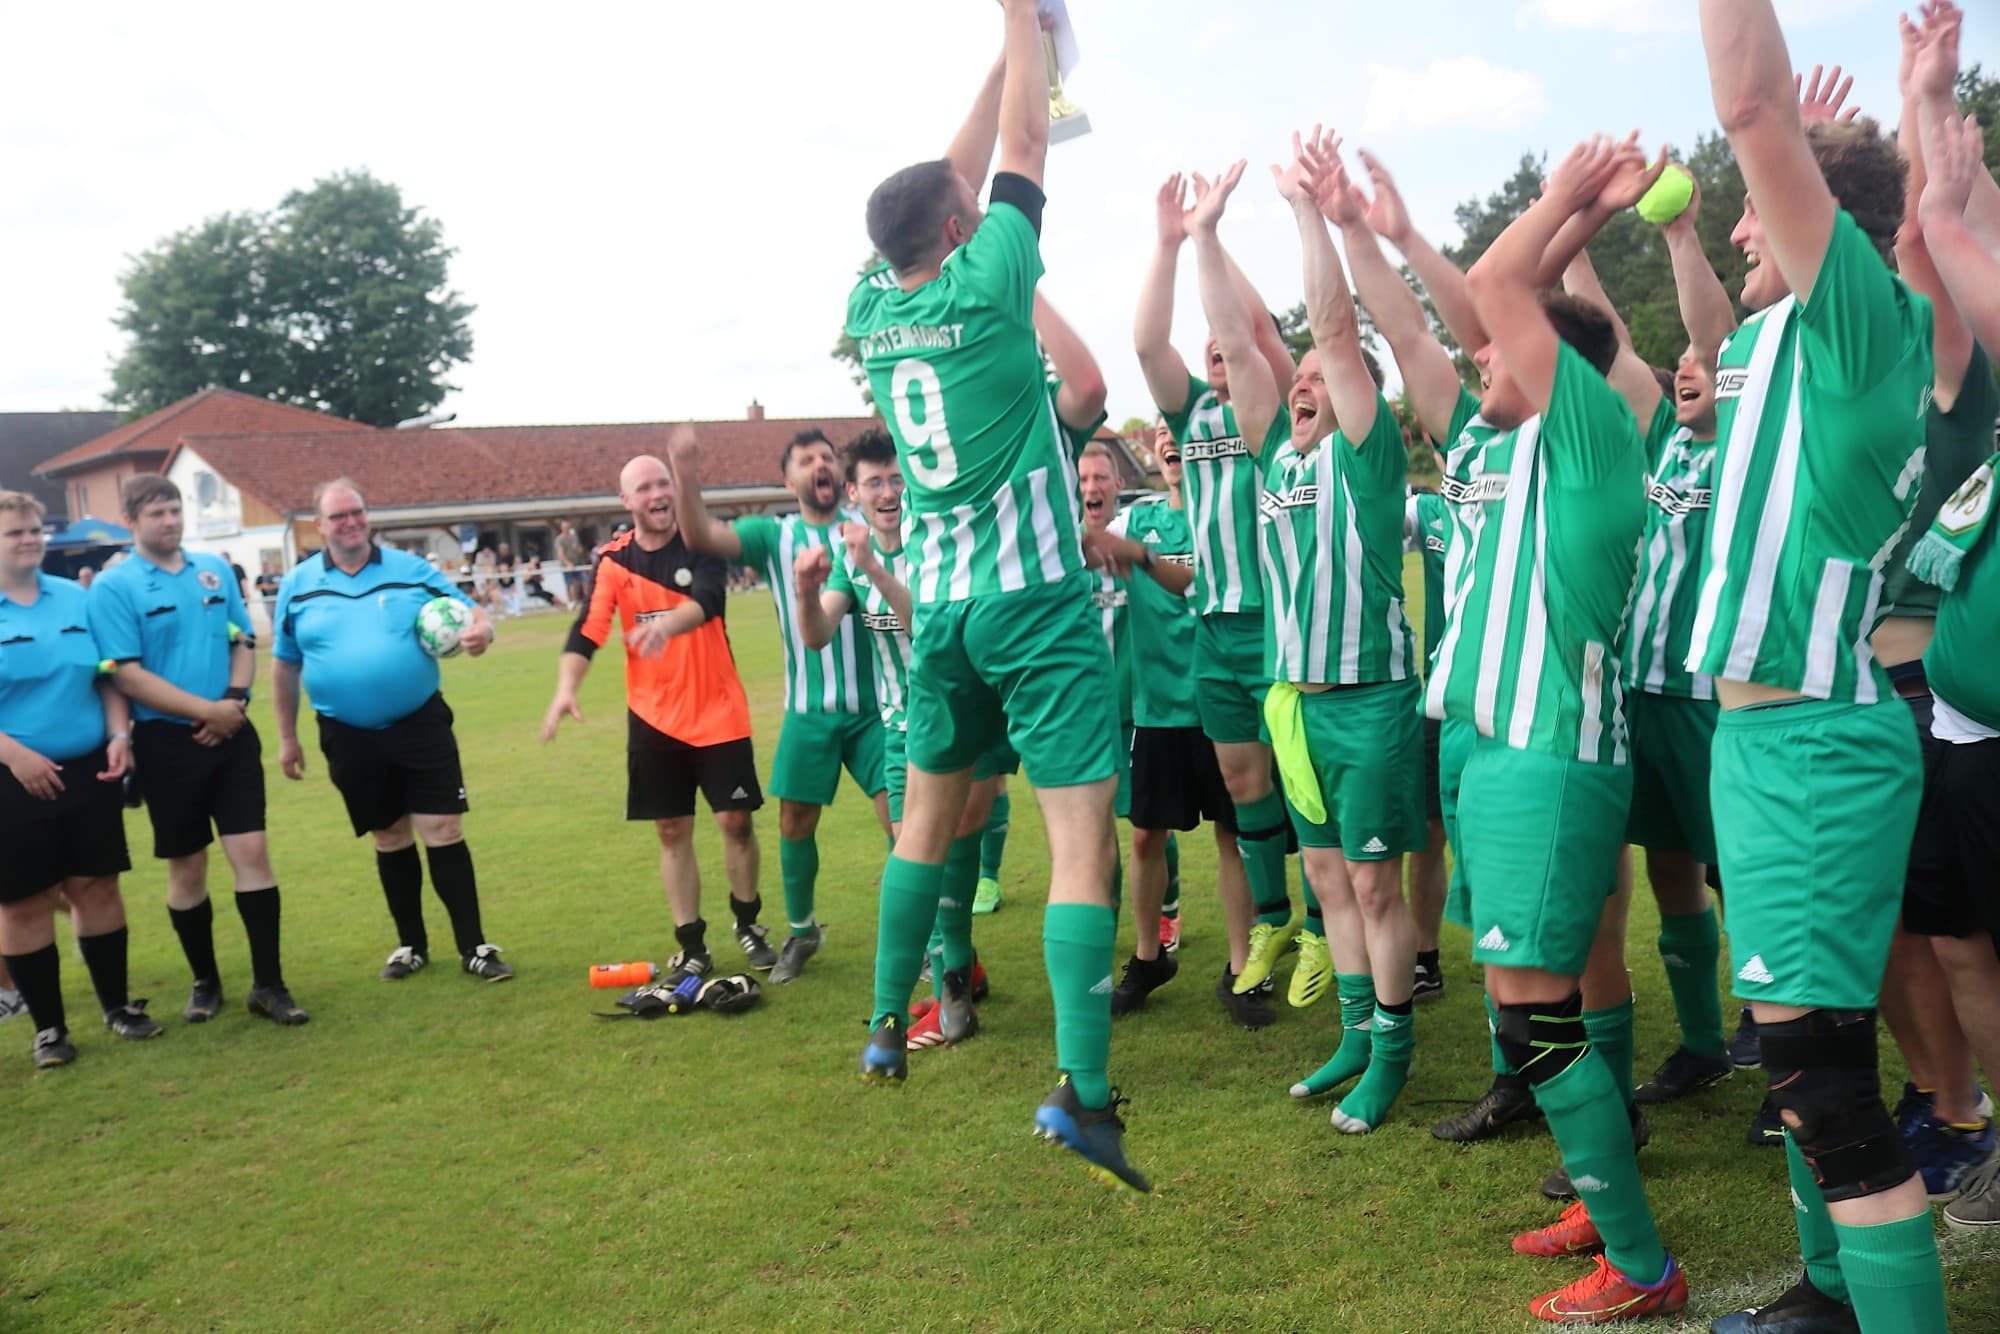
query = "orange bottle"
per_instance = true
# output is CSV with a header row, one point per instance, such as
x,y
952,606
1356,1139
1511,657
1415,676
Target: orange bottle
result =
x,y
623,974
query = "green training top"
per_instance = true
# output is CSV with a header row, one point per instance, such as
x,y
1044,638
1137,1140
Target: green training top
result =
x,y
1679,493
1955,443
838,678
1426,521
890,640
1159,626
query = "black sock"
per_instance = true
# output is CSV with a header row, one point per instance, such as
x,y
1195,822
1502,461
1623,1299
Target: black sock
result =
x,y
1313,915
1427,960
691,936
104,956
402,873
746,910
458,889
1400,1007
196,928
38,977
260,910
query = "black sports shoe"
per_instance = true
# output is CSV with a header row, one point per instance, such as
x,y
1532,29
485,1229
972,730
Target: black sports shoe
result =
x,y
757,951
277,1005
957,1020
130,1020
1682,1073
1767,1128
1097,1134
1557,1185
1428,984
792,955
52,1048
401,964
1250,1011
1803,1309
204,1001
885,1060
1743,1049
1140,978
485,964
1508,1101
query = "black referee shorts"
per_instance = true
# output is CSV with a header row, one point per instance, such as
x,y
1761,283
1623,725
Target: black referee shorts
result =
x,y
661,774
189,786
1950,890
81,833
409,767
1176,782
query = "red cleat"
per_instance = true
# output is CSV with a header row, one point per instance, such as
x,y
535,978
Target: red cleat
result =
x,y
1604,1296
1170,934
979,987
923,1030
1571,1234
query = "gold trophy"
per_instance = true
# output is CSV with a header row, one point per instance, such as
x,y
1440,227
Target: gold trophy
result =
x,y
1066,119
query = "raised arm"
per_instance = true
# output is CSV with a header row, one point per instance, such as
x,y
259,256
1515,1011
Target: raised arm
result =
x,y
1756,102
1970,271
1080,402
1935,75
894,591
701,530
820,608
1951,340
971,151
1707,313
1441,278
1253,392
1153,327
1270,343
1630,376
1024,94
1329,305
1620,193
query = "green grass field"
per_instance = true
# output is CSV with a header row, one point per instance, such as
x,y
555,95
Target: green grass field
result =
x,y
453,1155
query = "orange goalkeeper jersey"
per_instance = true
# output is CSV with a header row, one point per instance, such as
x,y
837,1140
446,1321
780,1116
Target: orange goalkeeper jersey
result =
x,y
690,691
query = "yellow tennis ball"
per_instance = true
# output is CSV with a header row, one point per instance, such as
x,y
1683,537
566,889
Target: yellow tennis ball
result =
x,y
1668,198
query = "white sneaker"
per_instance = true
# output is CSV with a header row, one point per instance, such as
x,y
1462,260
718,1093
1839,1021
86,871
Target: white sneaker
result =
x,y
11,1004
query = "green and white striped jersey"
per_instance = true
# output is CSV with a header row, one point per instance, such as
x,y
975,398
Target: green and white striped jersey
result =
x,y
1331,542
1538,570
838,678
1112,598
991,506
1820,422
1159,626
1426,524
1679,492
1219,484
887,635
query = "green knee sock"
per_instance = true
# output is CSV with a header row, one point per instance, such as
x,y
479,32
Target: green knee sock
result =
x,y
934,951
1357,1010
1390,1048
1261,835
1610,1034
1314,924
1171,905
798,865
909,907
1690,947
1892,1273
1501,1065
993,839
1595,1135
1077,944
954,911
1818,1243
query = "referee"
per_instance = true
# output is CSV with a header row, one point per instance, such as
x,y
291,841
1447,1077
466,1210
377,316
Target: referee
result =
x,y
63,748
174,623
346,627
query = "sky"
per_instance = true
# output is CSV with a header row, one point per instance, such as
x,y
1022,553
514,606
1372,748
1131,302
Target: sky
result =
x,y
658,209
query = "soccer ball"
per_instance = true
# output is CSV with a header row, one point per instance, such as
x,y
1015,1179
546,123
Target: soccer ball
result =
x,y
439,625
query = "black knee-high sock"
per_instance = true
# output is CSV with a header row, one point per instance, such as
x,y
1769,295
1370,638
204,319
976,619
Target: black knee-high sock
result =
x,y
458,889
402,873
38,977
260,910
104,956
196,928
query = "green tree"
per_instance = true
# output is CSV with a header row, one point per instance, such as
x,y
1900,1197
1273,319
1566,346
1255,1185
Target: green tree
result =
x,y
1980,96
337,300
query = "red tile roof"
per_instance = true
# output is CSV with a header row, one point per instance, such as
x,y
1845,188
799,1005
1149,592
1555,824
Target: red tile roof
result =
x,y
210,412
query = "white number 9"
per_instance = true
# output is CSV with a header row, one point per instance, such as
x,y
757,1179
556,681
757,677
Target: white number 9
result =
x,y
933,462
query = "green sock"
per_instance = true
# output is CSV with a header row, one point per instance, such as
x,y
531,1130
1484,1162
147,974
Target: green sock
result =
x,y
1892,1273
909,907
1610,1034
1690,947
954,912
1357,1009
1501,1065
1077,944
1390,1047
1261,835
1818,1242
798,866
1171,905
1595,1135
993,838
935,951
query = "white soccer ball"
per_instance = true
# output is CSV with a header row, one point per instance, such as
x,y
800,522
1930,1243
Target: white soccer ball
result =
x,y
440,624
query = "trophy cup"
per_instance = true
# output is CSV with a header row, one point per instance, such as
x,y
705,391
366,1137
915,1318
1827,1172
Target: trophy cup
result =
x,y
1066,119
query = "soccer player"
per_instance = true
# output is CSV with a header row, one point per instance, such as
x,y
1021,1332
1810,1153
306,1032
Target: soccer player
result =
x,y
1816,771
1004,644
346,629
687,723
64,746
1425,523
174,623
1220,480
831,715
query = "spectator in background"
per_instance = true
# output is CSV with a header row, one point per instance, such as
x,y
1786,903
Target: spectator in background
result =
x,y
569,552
268,580
483,565
506,581
242,578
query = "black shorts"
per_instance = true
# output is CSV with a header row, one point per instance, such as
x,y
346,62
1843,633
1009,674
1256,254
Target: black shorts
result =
x,y
189,786
409,767
1950,890
1176,783
80,833
661,774
1433,796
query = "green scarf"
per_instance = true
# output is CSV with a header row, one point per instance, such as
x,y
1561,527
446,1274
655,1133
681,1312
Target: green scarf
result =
x,y
1955,532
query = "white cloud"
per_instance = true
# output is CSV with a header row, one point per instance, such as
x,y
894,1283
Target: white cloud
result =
x,y
1463,91
1658,16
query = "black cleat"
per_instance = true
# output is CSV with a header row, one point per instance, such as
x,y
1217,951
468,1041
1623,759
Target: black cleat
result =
x,y
1250,1010
1508,1101
53,1048
1743,1050
1803,1309
1767,1128
1095,1134
130,1020
1139,980
1681,1074
792,955
1428,984
402,963
485,964
277,1005
757,949
204,1001
885,1060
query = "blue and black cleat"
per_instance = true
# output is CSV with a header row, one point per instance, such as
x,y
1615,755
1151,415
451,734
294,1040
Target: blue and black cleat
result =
x,y
1098,1134
885,1060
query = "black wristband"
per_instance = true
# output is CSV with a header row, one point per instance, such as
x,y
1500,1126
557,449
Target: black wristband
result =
x,y
239,693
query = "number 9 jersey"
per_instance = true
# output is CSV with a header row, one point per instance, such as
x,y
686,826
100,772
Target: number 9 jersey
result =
x,y
955,369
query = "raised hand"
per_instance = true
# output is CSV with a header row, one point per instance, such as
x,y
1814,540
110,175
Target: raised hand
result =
x,y
1386,215
1817,103
811,569
860,549
1581,178
1170,210
1210,197
1339,198
1294,180
1935,68
683,448
1952,166
1633,177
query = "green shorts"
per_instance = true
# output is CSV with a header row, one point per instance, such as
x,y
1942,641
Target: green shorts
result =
x,y
1121,806
812,748
1230,677
1455,741
1672,736
1029,670
1815,805
1367,748
1541,835
895,771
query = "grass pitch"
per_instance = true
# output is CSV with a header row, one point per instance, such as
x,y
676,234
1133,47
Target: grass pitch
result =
x,y
448,1154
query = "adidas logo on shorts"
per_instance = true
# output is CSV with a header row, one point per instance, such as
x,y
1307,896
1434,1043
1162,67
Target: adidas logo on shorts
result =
x,y
739,794
1102,988
1374,845
1588,1183
1493,940
1755,971
1673,961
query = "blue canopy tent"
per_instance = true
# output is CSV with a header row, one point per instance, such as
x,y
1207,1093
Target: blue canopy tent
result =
x,y
85,542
